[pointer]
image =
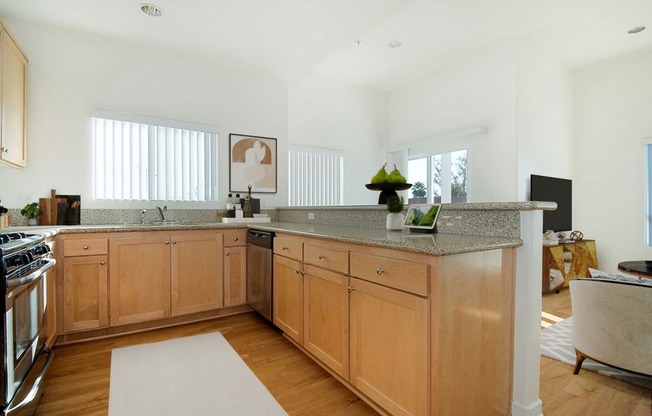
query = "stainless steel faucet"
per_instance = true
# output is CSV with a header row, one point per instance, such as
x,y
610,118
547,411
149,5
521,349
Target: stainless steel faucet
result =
x,y
142,216
163,212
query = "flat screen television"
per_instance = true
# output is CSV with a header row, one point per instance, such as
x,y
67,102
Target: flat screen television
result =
x,y
546,188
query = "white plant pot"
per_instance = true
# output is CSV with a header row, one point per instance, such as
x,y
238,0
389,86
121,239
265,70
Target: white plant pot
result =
x,y
32,221
395,221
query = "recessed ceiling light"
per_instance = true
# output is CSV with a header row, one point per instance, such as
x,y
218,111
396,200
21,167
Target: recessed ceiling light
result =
x,y
395,43
151,10
636,29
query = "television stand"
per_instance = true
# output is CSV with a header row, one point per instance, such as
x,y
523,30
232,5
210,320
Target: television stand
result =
x,y
567,260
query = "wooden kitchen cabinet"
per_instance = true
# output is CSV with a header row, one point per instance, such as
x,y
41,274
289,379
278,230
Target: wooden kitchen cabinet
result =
x,y
85,293
235,276
288,297
326,318
196,272
13,101
389,347
85,284
235,267
139,278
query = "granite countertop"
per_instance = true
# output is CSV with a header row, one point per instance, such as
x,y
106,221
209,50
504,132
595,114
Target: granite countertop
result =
x,y
435,244
438,244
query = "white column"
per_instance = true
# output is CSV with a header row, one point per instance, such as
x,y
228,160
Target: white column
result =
x,y
527,317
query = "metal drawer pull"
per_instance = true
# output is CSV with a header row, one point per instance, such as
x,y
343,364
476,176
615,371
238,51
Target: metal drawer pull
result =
x,y
102,262
236,239
174,241
285,248
85,247
321,256
167,243
4,149
228,253
379,270
351,289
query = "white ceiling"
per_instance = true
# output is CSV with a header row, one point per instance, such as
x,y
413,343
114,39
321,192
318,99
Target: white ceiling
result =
x,y
289,39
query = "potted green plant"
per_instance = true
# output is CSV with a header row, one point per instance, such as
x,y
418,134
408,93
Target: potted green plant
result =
x,y
31,211
395,217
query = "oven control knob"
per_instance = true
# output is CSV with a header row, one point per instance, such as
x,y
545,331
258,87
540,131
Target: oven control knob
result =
x,y
44,249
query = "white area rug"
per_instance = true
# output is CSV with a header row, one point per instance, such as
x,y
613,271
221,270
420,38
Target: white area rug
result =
x,y
556,343
198,375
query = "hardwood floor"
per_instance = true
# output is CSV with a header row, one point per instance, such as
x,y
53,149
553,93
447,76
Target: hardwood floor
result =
x,y
78,380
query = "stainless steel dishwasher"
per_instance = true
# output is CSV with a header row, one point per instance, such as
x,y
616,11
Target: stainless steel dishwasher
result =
x,y
259,271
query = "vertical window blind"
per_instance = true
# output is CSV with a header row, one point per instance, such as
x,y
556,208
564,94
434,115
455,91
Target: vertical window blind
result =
x,y
153,160
315,176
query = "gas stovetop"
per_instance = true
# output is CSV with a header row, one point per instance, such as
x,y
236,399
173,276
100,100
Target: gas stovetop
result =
x,y
15,241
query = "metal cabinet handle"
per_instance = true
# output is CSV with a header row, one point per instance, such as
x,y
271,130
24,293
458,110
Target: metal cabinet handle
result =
x,y
321,256
167,243
379,270
4,149
102,263
236,238
228,253
351,289
85,247
174,241
284,248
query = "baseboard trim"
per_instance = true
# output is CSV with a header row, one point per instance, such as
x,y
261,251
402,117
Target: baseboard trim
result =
x,y
533,409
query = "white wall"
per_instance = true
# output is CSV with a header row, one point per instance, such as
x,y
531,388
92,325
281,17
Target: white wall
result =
x,y
329,114
544,114
480,91
70,74
612,110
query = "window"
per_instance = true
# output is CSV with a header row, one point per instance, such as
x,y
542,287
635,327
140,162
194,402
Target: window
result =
x,y
141,158
315,176
648,154
439,177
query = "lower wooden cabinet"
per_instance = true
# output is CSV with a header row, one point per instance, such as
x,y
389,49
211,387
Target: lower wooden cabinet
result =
x,y
85,293
139,278
235,276
196,272
389,347
326,318
288,297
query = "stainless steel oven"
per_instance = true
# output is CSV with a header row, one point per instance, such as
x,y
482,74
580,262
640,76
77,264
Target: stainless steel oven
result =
x,y
24,263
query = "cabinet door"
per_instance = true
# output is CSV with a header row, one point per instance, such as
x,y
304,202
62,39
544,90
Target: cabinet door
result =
x,y
235,276
139,278
13,103
197,270
389,347
85,293
288,297
326,318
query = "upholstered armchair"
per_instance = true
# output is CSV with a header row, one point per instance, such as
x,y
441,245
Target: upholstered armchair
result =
x,y
612,322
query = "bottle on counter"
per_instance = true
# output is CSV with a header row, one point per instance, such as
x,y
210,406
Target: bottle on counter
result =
x,y
246,209
230,207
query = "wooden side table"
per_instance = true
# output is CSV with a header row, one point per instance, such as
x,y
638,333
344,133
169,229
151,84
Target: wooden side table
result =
x,y
567,261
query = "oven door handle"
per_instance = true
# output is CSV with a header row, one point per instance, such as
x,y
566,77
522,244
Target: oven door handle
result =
x,y
37,383
33,275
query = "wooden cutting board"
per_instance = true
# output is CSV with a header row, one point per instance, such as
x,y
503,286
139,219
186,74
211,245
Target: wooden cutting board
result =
x,y
49,208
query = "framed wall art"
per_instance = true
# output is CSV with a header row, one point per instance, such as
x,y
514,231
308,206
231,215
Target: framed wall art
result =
x,y
252,161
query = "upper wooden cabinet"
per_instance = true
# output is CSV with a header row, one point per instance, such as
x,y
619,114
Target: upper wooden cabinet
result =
x,y
13,103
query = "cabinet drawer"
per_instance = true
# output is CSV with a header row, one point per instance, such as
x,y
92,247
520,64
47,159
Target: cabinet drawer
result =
x,y
85,247
235,237
289,247
327,257
399,274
